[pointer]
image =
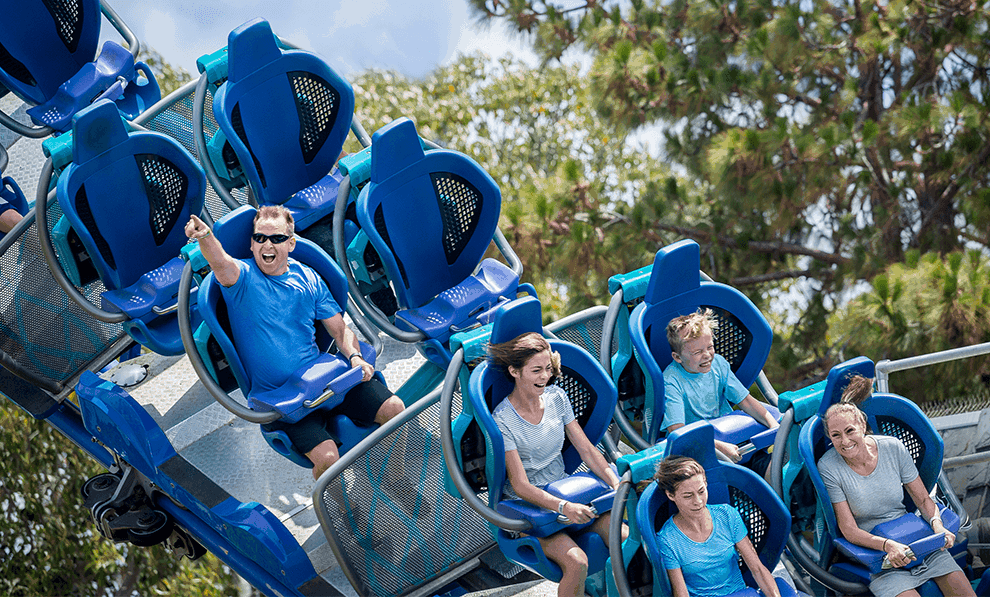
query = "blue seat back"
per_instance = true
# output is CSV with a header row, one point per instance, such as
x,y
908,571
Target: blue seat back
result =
x,y
43,44
675,288
430,216
589,389
285,113
234,232
767,520
128,195
886,414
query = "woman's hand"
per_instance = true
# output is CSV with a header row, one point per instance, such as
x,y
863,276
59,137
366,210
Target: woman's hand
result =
x,y
578,513
897,553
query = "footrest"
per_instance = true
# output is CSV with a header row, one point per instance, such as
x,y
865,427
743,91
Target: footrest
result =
x,y
460,306
155,293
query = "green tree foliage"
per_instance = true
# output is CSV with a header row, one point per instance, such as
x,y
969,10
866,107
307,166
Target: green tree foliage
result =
x,y
169,77
568,177
823,139
48,542
922,305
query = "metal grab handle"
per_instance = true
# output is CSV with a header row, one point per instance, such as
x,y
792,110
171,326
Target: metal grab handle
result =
x,y
564,520
166,310
329,392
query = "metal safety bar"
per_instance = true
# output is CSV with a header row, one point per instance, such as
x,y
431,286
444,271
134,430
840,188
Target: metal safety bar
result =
x,y
885,367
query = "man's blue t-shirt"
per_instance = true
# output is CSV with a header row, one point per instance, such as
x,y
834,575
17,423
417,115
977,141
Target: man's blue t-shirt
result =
x,y
271,318
690,397
711,567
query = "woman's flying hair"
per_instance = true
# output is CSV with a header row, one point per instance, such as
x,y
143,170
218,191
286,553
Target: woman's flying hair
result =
x,y
516,352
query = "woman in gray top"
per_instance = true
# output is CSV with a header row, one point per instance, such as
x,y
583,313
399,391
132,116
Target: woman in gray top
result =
x,y
533,419
864,475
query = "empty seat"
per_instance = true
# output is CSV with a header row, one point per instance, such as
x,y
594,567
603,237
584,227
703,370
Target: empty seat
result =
x,y
127,195
285,114
48,58
431,216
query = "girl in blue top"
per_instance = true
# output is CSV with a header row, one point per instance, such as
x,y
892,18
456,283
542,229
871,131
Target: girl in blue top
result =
x,y
701,544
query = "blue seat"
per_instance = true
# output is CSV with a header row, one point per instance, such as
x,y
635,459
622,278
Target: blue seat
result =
x,y
285,114
431,216
887,414
11,198
333,371
743,336
767,520
128,197
47,53
593,398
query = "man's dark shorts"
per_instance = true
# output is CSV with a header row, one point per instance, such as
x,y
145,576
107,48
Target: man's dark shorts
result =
x,y
360,405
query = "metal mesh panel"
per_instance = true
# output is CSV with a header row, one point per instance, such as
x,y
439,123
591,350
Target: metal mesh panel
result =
x,y
894,428
588,336
40,328
757,523
732,339
166,186
68,16
317,104
175,122
460,209
393,520
581,395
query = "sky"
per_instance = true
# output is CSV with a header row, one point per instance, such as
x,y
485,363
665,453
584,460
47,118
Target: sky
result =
x,y
408,36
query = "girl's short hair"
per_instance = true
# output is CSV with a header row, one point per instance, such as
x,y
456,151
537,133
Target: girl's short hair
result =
x,y
673,470
696,324
516,352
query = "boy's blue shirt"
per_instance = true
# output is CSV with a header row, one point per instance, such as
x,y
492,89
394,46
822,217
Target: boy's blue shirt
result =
x,y
690,397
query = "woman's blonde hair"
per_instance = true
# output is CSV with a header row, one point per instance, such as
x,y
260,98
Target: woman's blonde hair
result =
x,y
857,390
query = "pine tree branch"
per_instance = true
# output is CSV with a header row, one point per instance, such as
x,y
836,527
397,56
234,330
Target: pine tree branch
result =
x,y
757,246
783,275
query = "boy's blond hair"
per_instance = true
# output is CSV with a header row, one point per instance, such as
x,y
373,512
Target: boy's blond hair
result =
x,y
688,327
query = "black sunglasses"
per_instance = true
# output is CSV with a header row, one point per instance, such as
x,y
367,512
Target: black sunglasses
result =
x,y
276,239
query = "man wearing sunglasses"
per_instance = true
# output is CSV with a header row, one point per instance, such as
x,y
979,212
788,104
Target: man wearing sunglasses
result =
x,y
273,302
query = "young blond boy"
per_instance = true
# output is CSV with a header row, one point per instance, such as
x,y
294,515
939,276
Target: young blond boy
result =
x,y
699,384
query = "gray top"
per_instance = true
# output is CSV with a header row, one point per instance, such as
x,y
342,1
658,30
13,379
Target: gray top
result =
x,y
539,444
875,498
